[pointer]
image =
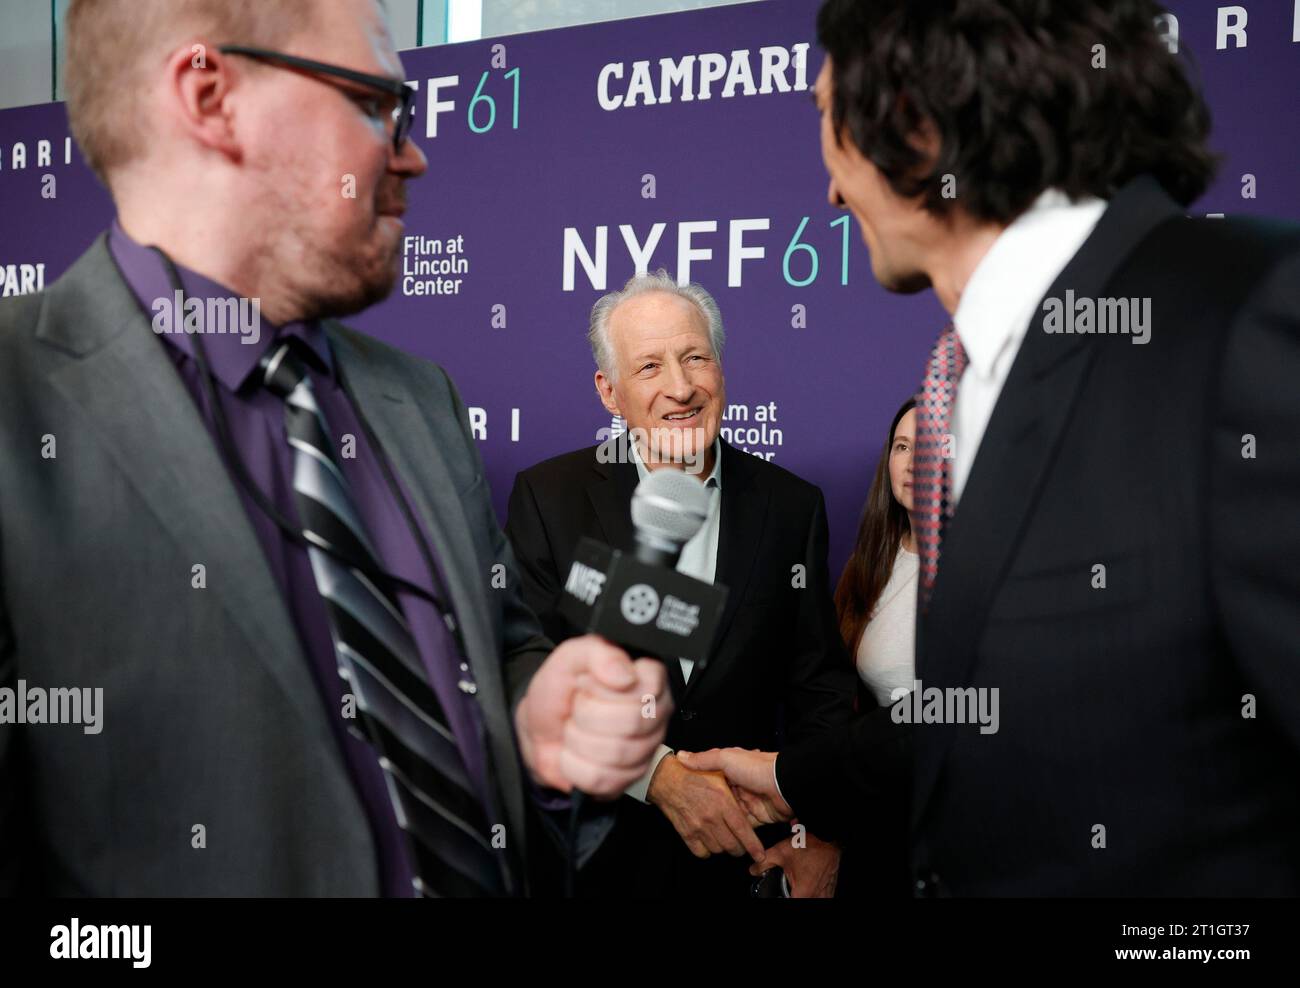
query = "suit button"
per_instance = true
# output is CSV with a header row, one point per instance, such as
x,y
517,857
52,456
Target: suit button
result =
x,y
927,886
686,714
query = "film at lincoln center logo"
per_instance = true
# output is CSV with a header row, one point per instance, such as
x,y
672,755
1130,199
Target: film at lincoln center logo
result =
x,y
639,604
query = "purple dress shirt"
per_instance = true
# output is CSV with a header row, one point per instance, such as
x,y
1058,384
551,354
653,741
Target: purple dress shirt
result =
x,y
255,418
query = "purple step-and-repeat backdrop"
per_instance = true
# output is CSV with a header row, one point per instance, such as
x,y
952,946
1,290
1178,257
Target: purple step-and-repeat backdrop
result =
x,y
562,160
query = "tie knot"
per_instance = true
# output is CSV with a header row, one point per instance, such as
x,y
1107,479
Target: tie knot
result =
x,y
283,369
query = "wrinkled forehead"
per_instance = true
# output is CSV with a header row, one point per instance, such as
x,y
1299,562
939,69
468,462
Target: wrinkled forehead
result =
x,y
656,318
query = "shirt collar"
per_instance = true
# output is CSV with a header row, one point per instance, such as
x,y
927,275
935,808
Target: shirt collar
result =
x,y
714,479
1010,280
231,359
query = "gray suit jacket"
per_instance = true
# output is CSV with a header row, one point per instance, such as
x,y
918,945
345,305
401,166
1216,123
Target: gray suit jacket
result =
x,y
210,716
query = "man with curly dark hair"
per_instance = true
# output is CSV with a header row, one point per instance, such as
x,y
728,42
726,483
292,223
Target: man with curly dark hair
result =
x,y
1107,695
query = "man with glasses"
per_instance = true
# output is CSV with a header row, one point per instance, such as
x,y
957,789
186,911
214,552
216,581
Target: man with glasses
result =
x,y
275,560
383,98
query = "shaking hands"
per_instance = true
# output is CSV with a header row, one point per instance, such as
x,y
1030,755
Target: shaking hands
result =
x,y
592,720
752,777
811,865
704,810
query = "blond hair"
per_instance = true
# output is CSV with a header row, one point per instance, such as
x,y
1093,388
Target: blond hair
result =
x,y
112,46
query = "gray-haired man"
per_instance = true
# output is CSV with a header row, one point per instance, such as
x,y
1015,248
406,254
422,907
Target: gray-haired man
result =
x,y
777,661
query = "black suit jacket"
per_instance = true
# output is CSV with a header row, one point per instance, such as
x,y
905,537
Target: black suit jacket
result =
x,y
1125,712
778,670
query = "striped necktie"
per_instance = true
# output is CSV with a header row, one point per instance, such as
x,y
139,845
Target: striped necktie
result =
x,y
932,464
399,714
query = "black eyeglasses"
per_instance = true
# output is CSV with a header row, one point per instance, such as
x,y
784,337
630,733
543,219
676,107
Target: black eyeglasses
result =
x,y
403,113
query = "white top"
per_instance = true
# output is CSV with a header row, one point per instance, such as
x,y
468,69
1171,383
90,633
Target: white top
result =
x,y
699,559
998,304
886,656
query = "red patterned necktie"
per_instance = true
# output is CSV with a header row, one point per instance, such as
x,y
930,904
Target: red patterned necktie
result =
x,y
932,461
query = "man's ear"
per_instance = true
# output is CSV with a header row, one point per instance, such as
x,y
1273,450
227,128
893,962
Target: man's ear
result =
x,y
198,100
605,389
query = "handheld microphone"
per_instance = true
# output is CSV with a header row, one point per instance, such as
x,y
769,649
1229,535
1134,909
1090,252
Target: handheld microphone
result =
x,y
668,508
638,600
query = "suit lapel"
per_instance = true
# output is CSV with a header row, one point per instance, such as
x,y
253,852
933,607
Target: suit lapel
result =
x,y
139,409
1015,453
379,389
740,533
613,481
744,512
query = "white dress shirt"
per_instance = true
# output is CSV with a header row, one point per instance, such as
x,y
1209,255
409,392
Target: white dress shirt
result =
x,y
998,304
699,559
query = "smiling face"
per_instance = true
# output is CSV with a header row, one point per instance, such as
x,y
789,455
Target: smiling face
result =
x,y
665,381
892,227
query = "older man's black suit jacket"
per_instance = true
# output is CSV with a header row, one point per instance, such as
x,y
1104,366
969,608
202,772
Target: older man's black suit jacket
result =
x,y
778,671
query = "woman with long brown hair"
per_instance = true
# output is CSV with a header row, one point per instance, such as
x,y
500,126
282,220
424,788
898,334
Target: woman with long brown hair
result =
x,y
876,602
876,596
